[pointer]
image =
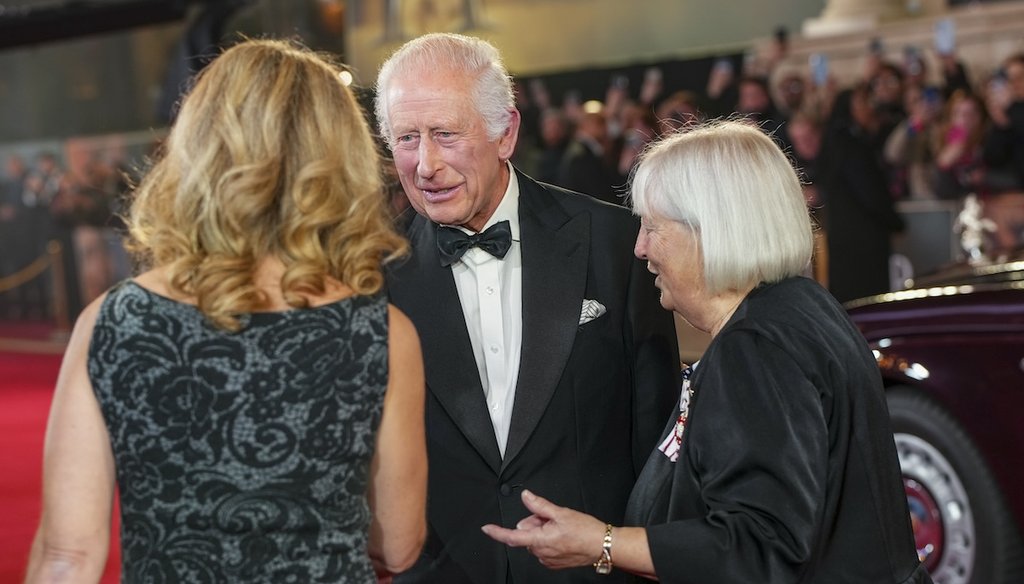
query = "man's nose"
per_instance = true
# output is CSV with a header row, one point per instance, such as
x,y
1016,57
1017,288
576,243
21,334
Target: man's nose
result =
x,y
429,159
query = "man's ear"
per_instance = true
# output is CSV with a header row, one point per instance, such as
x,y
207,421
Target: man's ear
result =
x,y
507,140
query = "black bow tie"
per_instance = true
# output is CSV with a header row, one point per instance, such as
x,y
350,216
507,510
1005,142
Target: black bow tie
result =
x,y
452,243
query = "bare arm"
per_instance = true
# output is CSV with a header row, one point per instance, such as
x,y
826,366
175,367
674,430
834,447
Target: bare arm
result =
x,y
398,483
897,145
78,474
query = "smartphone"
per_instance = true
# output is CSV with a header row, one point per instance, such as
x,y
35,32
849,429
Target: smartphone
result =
x,y
620,81
945,36
819,69
912,62
749,61
723,65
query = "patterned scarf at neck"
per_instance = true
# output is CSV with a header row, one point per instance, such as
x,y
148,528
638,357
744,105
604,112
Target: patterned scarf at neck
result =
x,y
671,445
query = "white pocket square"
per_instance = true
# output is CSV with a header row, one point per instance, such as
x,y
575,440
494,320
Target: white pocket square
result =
x,y
591,309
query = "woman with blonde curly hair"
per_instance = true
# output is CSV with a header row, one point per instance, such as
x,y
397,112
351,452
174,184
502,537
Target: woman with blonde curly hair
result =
x,y
255,398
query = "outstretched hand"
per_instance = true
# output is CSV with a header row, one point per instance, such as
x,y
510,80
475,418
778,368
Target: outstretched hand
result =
x,y
559,537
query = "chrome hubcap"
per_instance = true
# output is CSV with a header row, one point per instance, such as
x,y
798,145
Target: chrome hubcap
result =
x,y
939,509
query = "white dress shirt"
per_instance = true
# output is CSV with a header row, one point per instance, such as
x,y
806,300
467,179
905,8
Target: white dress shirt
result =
x,y
491,293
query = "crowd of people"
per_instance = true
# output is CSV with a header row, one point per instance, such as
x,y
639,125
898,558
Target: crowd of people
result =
x,y
25,222
899,132
267,394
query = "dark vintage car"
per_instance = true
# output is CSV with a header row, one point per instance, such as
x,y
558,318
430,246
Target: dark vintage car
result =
x,y
951,354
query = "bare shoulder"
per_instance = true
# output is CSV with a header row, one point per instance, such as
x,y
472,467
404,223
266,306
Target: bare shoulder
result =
x,y
405,367
401,328
72,377
86,321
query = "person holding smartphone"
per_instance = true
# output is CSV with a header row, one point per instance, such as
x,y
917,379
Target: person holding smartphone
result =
x,y
1004,146
958,158
910,147
1003,152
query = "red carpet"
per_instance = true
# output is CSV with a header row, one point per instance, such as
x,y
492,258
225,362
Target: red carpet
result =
x,y
26,387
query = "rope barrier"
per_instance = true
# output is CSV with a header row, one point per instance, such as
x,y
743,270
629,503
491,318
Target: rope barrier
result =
x,y
33,270
53,260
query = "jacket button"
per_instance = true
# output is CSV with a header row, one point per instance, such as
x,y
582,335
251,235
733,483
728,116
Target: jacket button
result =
x,y
505,490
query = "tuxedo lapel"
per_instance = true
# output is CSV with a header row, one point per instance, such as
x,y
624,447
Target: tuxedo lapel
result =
x,y
426,292
555,250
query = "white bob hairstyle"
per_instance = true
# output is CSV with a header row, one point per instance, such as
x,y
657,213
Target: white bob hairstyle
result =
x,y
492,92
732,187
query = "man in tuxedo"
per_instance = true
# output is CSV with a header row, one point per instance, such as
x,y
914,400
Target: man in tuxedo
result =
x,y
550,364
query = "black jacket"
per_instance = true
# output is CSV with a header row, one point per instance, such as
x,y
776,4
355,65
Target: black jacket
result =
x,y
787,470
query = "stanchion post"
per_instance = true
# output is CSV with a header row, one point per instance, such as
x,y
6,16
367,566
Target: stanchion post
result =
x,y
60,296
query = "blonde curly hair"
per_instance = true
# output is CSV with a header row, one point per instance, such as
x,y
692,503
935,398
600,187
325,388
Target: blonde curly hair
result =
x,y
271,156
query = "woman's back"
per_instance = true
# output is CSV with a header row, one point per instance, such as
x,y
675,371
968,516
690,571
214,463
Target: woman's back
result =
x,y
241,456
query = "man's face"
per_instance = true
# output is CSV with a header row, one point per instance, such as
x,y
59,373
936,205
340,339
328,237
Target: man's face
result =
x,y
450,170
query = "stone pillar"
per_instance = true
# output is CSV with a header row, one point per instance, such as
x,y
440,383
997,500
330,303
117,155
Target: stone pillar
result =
x,y
848,16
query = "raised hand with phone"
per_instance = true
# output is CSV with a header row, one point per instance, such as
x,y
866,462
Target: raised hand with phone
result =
x,y
722,74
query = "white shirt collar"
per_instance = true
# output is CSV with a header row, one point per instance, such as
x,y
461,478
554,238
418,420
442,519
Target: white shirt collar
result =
x,y
508,208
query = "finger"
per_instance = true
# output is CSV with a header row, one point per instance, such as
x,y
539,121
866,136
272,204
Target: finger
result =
x,y
539,505
509,537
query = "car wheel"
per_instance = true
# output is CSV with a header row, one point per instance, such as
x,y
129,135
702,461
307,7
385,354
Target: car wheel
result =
x,y
962,527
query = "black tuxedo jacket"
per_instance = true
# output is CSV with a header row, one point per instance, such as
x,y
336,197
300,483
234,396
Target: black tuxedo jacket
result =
x,y
590,400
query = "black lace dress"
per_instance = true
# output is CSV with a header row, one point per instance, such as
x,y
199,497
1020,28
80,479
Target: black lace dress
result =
x,y
241,457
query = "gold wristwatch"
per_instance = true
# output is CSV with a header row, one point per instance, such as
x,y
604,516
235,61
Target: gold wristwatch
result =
x,y
603,565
